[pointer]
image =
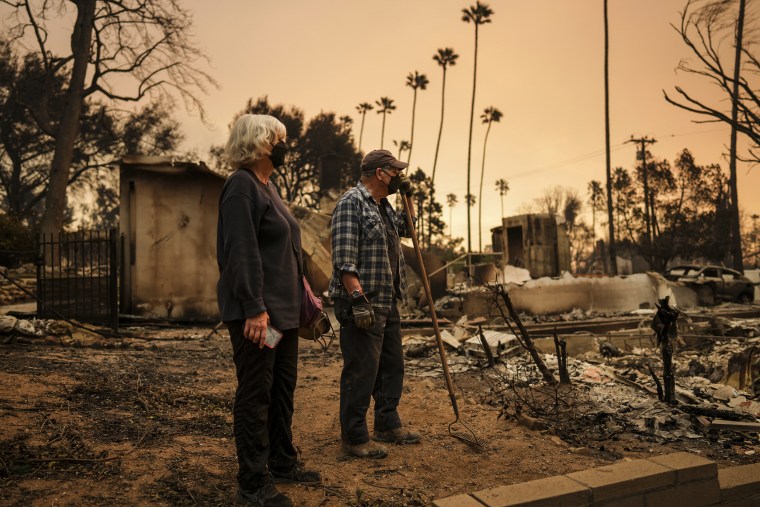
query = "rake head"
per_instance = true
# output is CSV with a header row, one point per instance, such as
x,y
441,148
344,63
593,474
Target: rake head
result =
x,y
468,436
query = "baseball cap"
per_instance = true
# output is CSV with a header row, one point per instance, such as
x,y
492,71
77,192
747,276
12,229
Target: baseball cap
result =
x,y
381,158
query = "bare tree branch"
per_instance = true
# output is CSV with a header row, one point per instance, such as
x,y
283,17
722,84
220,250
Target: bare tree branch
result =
x,y
704,28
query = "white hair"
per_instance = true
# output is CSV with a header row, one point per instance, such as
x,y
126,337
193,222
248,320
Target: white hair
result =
x,y
252,137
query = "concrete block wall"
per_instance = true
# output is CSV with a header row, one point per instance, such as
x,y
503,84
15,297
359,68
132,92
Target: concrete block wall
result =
x,y
663,481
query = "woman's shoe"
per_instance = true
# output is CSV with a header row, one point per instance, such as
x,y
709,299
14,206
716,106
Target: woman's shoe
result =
x,y
295,474
266,496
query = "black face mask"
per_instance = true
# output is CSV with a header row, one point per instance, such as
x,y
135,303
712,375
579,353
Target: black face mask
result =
x,y
394,184
278,154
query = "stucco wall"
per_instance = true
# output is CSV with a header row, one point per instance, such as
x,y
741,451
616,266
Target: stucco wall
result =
x,y
545,247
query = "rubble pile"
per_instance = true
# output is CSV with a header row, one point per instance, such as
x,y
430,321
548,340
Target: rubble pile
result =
x,y
54,332
25,276
13,329
717,374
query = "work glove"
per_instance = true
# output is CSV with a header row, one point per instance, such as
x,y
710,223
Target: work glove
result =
x,y
406,185
364,316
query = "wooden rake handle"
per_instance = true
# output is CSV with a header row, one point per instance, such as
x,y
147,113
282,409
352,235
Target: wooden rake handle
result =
x,y
429,295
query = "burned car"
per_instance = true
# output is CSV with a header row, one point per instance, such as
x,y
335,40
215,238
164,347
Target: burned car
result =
x,y
727,284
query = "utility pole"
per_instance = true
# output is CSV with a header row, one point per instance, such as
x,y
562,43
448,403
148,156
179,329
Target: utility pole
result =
x,y
643,141
608,169
736,239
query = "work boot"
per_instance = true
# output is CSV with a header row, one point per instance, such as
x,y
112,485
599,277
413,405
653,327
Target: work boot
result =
x,y
365,450
295,474
266,496
397,436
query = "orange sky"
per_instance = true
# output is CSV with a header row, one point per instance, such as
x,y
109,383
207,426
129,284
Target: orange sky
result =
x,y
540,63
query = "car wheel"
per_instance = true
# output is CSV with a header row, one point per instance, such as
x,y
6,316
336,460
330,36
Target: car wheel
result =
x,y
745,299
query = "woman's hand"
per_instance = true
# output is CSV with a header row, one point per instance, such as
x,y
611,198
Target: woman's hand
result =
x,y
256,328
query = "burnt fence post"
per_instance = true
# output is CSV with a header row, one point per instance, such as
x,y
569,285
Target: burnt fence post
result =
x,y
113,241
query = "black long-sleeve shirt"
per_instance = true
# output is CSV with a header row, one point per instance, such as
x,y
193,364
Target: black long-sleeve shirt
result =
x,y
259,253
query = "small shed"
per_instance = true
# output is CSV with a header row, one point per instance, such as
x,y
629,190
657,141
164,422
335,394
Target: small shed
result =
x,y
535,242
168,214
168,220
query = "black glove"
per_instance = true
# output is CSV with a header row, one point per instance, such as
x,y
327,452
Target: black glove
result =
x,y
364,316
406,185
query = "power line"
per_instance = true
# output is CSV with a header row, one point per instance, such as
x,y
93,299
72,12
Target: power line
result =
x,y
570,161
694,133
598,153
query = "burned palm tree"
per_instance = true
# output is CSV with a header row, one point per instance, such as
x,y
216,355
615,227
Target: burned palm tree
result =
x,y
451,201
402,145
478,14
416,81
445,57
385,107
503,187
489,116
362,109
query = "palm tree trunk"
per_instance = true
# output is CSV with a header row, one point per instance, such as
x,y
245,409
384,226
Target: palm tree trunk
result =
x,y
593,235
469,141
736,239
411,136
361,131
480,192
68,129
435,158
440,126
382,132
610,220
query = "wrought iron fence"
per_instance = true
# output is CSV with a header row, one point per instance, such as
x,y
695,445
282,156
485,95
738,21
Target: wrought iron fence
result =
x,y
77,276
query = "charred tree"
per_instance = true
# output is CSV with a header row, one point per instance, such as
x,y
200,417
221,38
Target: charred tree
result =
x,y
664,325
527,342
657,383
560,345
149,41
486,347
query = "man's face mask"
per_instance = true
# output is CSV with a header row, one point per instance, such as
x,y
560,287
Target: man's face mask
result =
x,y
277,156
394,184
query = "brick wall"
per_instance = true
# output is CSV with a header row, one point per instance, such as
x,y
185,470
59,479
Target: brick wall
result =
x,y
672,480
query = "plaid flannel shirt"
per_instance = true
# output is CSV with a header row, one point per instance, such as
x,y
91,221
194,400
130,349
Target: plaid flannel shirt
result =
x,y
359,246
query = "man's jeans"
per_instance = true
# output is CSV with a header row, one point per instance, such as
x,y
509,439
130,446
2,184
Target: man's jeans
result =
x,y
263,411
373,366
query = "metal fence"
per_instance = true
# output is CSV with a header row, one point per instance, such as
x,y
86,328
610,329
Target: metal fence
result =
x,y
77,276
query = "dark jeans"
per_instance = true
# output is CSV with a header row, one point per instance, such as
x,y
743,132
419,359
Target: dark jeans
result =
x,y
373,366
263,410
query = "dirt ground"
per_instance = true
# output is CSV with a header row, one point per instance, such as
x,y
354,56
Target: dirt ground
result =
x,y
148,422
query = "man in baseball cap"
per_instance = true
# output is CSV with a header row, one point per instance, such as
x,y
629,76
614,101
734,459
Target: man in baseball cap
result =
x,y
367,280
376,159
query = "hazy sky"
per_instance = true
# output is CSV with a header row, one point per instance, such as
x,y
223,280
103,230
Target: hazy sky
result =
x,y
540,63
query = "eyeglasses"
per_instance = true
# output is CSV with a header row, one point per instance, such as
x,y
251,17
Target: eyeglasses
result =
x,y
385,170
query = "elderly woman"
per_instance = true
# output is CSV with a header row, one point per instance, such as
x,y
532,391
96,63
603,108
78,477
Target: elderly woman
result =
x,y
259,256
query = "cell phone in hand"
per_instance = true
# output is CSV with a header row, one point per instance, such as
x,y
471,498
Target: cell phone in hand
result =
x,y
273,337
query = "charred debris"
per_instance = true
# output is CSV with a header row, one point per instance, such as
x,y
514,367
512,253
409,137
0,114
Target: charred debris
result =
x,y
655,375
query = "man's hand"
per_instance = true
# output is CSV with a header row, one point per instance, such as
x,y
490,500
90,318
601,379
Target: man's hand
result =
x,y
406,185
364,316
256,328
